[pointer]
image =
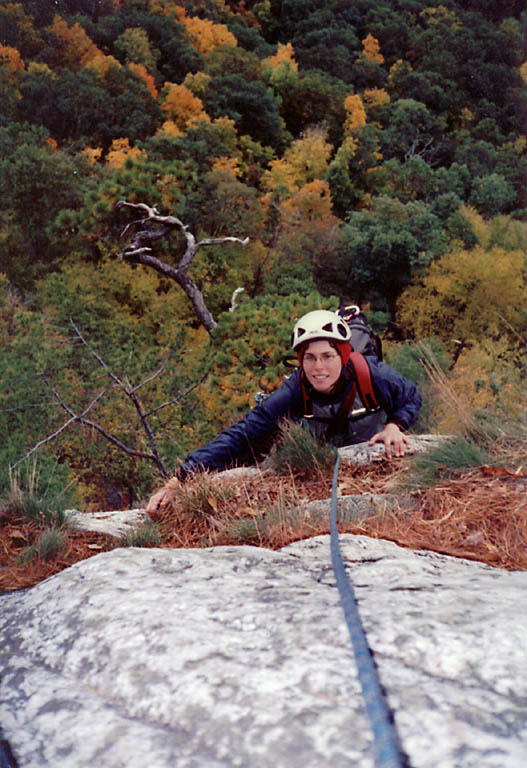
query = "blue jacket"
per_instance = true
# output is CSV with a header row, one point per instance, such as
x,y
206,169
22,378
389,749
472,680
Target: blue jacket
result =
x,y
398,397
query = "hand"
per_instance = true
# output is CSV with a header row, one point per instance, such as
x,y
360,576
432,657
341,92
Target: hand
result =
x,y
391,435
159,501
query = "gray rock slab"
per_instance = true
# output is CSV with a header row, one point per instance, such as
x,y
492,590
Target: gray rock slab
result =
x,y
358,506
117,523
238,656
364,453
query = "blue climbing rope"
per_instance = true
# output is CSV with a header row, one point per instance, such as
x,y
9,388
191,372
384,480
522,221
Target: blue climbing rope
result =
x,y
386,745
6,756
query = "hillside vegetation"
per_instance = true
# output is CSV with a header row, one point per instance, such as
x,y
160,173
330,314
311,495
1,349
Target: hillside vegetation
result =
x,y
372,152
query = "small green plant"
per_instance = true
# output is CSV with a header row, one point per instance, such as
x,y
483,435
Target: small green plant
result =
x,y
299,451
447,461
146,535
246,530
47,546
27,499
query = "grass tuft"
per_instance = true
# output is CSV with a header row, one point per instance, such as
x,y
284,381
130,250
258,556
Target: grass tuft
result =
x,y
47,546
205,496
447,461
146,535
29,502
299,452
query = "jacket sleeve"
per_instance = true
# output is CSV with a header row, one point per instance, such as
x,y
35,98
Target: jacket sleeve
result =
x,y
397,395
259,423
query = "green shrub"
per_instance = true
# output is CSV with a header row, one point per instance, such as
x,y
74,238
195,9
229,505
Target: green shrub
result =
x,y
407,359
447,461
299,451
247,530
40,503
47,546
146,535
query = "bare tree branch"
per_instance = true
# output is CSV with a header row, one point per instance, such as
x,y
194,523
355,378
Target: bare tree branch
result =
x,y
234,297
66,424
175,400
154,227
130,392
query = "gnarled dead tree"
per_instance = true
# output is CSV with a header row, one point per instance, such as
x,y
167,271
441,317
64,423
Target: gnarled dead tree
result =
x,y
152,226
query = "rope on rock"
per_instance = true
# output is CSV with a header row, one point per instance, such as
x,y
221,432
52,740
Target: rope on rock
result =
x,y
386,744
7,759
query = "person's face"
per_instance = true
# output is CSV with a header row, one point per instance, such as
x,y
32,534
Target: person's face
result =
x,y
322,366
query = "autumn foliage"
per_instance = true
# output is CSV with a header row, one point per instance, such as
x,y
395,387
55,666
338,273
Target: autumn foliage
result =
x,y
370,156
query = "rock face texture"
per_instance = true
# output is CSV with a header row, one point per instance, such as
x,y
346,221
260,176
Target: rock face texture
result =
x,y
238,656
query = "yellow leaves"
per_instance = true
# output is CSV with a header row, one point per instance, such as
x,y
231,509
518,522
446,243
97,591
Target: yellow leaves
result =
x,y
228,166
197,82
355,113
101,64
376,97
306,160
523,71
135,45
468,295
182,108
167,8
371,49
205,35
10,58
311,202
169,128
120,151
38,67
440,15
284,53
279,68
142,73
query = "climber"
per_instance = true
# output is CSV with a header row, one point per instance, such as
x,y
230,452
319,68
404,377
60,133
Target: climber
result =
x,y
341,396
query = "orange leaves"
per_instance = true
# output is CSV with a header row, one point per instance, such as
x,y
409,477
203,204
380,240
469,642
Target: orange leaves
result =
x,y
142,73
120,151
182,108
74,49
355,112
227,165
10,58
371,49
311,202
284,53
204,34
93,154
376,97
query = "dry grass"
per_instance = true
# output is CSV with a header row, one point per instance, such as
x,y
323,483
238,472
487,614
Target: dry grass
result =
x,y
481,515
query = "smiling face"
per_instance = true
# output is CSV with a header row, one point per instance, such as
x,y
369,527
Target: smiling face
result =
x,y
322,366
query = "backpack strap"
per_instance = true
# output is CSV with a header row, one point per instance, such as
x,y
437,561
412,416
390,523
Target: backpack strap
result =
x,y
364,382
308,405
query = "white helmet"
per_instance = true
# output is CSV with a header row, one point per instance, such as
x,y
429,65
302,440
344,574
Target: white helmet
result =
x,y
320,325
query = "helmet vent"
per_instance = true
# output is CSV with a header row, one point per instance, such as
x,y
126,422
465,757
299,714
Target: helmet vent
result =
x,y
328,327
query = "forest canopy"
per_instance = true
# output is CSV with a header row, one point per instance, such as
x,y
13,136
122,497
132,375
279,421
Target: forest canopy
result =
x,y
372,152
